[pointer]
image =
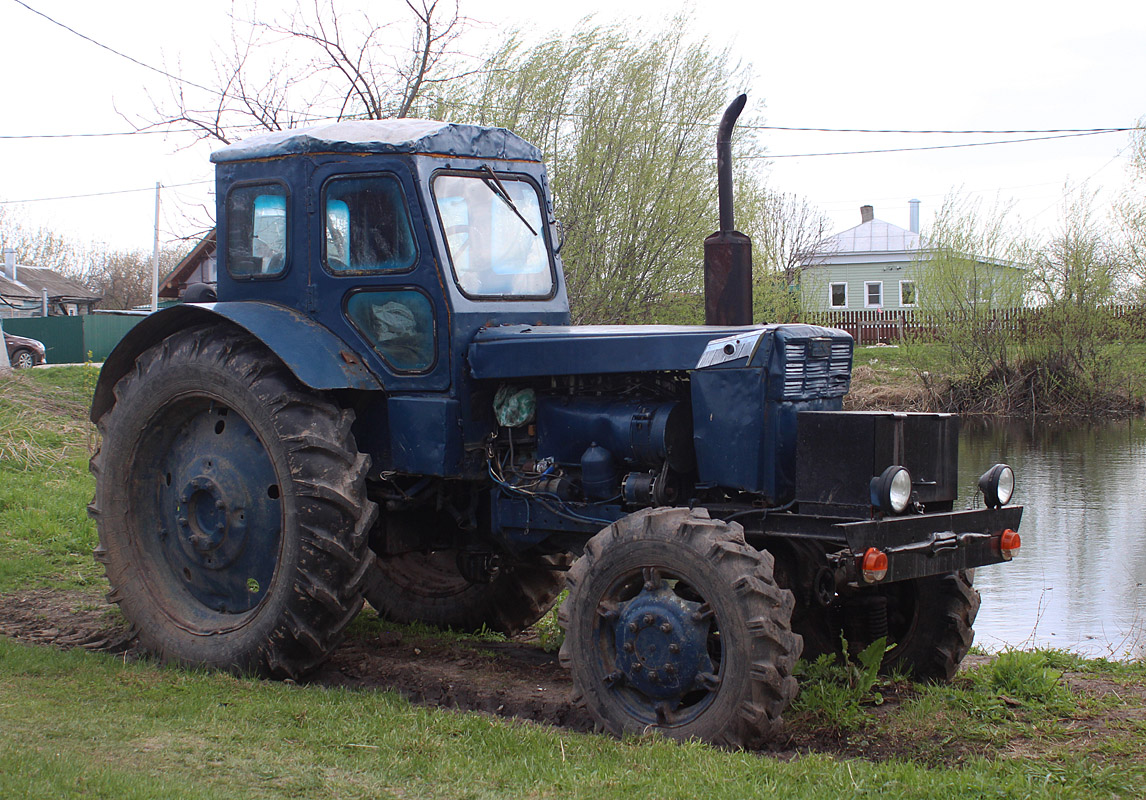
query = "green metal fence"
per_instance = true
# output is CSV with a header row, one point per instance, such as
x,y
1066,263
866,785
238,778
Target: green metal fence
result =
x,y
74,340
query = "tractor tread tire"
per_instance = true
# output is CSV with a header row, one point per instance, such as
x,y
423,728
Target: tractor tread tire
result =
x,y
325,527
761,649
509,604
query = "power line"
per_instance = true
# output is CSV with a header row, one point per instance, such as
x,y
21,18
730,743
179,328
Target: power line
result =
x,y
929,147
457,104
103,194
93,135
999,132
116,52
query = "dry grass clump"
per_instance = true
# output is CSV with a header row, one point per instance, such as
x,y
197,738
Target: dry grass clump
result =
x,y
38,423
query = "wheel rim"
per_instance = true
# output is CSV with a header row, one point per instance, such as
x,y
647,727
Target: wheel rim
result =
x,y
24,360
218,510
660,646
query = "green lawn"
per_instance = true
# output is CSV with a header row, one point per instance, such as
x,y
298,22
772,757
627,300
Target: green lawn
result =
x,y
82,724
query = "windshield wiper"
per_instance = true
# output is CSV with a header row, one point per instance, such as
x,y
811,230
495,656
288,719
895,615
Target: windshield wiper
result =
x,y
496,187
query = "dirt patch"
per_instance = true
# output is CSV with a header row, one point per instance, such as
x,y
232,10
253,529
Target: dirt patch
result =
x,y
516,679
510,679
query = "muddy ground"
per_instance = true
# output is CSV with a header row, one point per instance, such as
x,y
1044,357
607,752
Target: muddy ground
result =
x,y
517,679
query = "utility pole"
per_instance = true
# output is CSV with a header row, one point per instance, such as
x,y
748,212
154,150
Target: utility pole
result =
x,y
155,257
5,365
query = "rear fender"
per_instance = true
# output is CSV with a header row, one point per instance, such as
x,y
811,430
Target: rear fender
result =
x,y
317,357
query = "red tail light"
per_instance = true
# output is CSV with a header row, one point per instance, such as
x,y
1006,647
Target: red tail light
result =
x,y
874,565
1009,544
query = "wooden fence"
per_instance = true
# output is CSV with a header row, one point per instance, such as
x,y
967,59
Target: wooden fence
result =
x,y
872,326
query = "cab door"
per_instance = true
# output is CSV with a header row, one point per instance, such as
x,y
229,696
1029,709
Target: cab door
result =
x,y
373,273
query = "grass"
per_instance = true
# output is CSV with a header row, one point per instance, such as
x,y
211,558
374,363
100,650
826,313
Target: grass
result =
x,y
46,538
893,376
75,723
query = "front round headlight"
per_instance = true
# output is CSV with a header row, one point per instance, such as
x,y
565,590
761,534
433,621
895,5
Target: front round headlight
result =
x,y
997,485
891,491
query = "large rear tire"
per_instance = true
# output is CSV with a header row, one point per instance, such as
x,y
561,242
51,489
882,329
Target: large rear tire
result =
x,y
429,587
674,624
231,507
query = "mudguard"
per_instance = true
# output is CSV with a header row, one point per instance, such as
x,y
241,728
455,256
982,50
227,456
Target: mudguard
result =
x,y
317,357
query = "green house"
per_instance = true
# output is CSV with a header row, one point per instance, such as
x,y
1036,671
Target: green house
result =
x,y
869,267
877,267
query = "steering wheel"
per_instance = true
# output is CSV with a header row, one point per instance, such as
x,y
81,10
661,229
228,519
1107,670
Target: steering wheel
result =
x,y
458,230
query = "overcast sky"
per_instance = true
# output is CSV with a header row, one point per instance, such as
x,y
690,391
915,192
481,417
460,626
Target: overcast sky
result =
x,y
971,65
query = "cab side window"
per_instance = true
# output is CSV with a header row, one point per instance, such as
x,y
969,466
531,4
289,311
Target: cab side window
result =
x,y
399,323
257,230
367,226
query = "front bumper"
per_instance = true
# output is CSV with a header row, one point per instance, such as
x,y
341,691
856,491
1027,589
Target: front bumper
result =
x,y
927,544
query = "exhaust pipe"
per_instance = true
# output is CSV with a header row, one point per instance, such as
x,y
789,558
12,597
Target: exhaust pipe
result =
x,y
728,252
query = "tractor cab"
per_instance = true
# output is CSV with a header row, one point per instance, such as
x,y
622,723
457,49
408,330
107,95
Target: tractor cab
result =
x,y
399,238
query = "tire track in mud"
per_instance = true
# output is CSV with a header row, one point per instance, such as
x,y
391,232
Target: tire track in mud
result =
x,y
512,679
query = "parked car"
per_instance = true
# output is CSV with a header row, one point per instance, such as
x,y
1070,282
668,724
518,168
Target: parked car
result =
x,y
24,353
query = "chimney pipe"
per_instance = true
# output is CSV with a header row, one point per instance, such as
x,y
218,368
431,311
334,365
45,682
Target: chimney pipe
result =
x,y
913,206
867,214
10,263
727,253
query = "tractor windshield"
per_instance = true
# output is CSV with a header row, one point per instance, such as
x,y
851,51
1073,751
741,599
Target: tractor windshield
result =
x,y
494,230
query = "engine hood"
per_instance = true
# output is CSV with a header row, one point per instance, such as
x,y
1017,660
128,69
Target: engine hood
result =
x,y
519,351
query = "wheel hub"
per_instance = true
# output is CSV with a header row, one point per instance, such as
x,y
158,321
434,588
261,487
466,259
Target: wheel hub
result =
x,y
212,519
220,510
662,642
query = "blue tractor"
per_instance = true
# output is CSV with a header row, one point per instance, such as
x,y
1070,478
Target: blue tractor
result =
x,y
384,399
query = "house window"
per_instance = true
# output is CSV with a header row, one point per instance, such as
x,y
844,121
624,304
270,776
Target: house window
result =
x,y
873,294
907,293
838,295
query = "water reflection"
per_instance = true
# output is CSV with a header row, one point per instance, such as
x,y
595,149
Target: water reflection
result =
x,y
1080,581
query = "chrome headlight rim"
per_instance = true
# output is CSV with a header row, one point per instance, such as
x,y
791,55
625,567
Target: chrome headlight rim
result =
x,y
891,491
997,485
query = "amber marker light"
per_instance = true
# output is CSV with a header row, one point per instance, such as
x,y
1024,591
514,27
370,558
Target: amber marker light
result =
x,y
874,565
1009,544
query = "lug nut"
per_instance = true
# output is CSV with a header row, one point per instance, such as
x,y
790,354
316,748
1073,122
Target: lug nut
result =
x,y
653,677
674,648
666,627
628,647
648,620
633,627
670,669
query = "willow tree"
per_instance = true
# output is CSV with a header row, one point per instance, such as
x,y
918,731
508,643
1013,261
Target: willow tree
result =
x,y
627,122
1131,215
971,268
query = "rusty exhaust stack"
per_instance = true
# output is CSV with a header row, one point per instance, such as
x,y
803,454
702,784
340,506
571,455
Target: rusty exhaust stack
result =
x,y
728,252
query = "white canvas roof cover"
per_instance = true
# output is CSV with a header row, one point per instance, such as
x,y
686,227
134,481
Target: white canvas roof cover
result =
x,y
384,136
875,236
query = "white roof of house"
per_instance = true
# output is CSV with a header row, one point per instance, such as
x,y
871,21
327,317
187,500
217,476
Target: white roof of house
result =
x,y
875,236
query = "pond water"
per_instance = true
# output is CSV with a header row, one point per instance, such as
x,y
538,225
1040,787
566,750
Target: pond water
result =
x,y
1079,582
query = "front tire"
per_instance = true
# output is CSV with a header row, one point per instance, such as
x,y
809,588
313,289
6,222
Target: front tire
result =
x,y
928,622
23,359
674,624
932,623
231,507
